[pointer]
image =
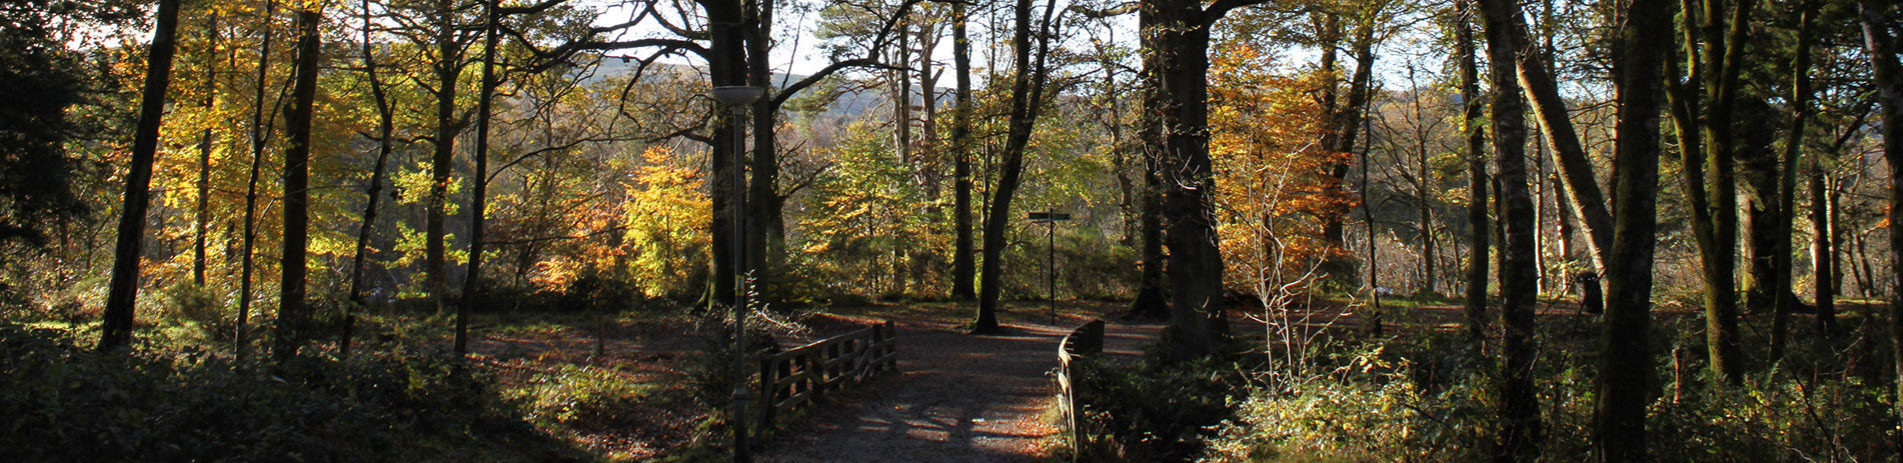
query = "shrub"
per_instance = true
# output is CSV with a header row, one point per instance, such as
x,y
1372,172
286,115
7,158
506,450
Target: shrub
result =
x,y
582,397
1155,410
64,402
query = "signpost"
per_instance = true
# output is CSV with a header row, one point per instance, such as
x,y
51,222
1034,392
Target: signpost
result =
x,y
1050,220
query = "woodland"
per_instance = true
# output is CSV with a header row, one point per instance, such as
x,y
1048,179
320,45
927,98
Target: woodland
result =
x,y
1370,230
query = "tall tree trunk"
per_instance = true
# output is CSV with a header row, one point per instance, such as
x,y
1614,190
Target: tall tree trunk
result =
x,y
766,235
479,198
1569,154
1758,168
727,66
1371,324
260,131
1152,289
293,313
1787,182
1721,66
1823,257
1625,361
203,219
1347,120
1423,194
962,265
1880,47
386,128
448,69
1027,93
1476,291
123,291
1519,410
1181,38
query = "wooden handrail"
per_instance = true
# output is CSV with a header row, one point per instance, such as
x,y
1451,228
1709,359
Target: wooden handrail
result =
x,y
804,374
1085,341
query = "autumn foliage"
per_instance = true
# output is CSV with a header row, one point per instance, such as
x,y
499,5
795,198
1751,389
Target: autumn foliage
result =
x,y
1274,189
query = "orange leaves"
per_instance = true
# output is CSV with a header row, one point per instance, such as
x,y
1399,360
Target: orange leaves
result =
x,y
1276,185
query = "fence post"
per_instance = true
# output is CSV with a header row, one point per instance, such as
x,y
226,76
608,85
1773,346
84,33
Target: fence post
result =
x,y
768,406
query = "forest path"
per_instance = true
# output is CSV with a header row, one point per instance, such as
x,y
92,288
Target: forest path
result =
x,y
956,397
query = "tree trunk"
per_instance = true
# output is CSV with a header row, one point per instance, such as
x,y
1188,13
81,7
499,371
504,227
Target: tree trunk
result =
x,y
1519,409
1625,362
1152,289
1879,46
293,311
1197,321
726,67
765,236
1476,291
260,131
479,198
962,265
1758,167
386,128
1722,59
1371,324
203,219
1027,93
1347,120
448,69
123,293
1823,257
1787,183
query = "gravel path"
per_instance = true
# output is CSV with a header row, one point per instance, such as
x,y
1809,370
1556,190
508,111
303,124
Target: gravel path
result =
x,y
956,397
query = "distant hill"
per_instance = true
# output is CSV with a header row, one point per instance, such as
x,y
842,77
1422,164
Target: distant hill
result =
x,y
848,106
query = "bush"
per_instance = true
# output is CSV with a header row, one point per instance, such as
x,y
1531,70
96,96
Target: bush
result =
x,y
582,397
195,307
66,403
1155,410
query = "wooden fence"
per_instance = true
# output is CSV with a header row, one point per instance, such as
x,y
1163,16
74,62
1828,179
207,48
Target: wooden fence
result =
x,y
1086,340
804,374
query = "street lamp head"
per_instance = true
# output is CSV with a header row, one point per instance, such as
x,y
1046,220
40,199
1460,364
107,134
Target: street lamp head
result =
x,y
738,95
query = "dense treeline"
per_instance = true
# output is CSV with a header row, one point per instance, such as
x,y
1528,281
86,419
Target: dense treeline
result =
x,y
1581,183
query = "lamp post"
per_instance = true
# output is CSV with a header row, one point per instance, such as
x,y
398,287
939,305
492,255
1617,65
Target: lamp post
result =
x,y
737,98
1050,220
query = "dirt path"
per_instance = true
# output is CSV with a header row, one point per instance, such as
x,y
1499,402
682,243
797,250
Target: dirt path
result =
x,y
956,398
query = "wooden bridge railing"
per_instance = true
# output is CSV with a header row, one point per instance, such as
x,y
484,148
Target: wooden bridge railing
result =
x,y
801,375
1086,340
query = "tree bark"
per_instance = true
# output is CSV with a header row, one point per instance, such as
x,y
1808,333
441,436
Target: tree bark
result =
x,y
1720,66
386,128
1625,361
1787,182
260,131
1180,33
962,265
1477,258
1881,48
293,312
766,236
1347,123
1152,298
122,294
448,69
479,198
1519,410
203,219
727,66
1027,93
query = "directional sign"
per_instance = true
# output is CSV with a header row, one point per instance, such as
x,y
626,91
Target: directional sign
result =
x,y
1049,216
